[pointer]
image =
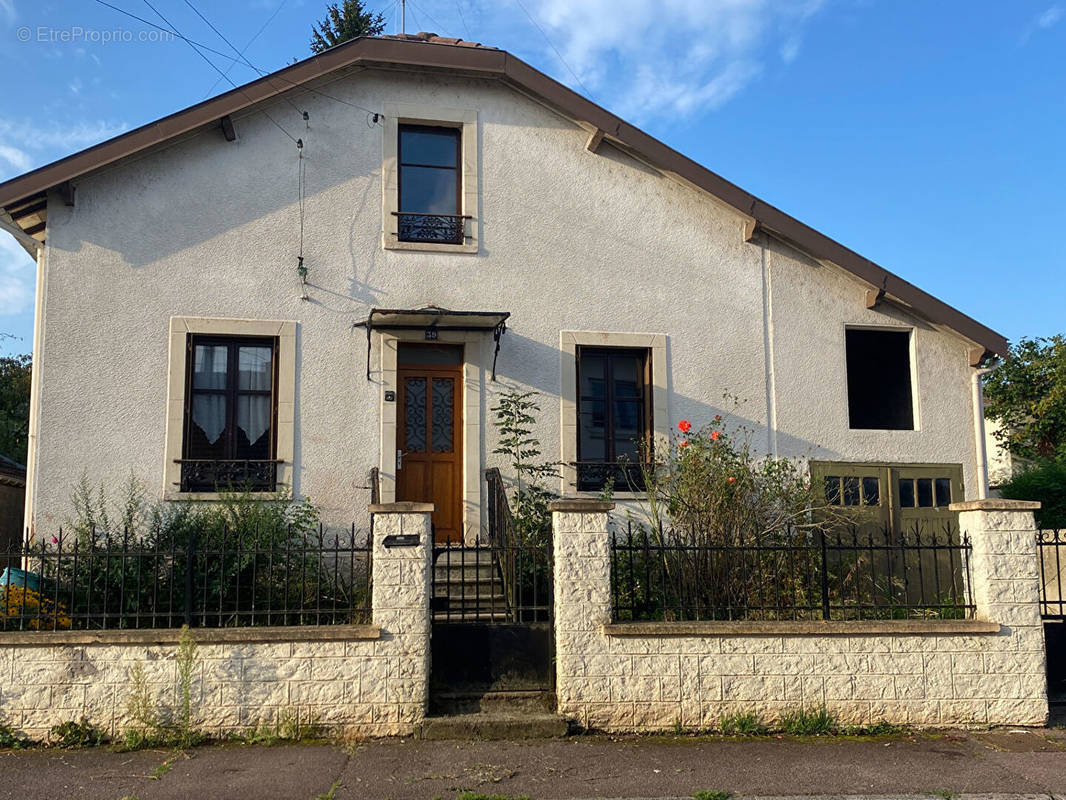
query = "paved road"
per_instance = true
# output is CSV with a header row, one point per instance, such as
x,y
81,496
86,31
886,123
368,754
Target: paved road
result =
x,y
1020,763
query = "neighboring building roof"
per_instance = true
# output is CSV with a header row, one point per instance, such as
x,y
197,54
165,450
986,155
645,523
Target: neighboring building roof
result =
x,y
12,472
20,197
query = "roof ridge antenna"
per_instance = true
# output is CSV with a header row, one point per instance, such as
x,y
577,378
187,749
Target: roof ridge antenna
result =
x,y
403,17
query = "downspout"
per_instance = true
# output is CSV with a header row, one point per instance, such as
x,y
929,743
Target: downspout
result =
x,y
979,431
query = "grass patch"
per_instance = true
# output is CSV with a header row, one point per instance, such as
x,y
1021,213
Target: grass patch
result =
x,y
743,724
711,794
809,722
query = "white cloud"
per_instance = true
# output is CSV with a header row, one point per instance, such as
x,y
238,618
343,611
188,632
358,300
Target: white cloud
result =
x,y
20,160
24,144
672,56
7,11
1049,18
17,277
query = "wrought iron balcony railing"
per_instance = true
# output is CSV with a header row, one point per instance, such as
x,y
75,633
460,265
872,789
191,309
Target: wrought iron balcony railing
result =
x,y
593,476
431,228
208,475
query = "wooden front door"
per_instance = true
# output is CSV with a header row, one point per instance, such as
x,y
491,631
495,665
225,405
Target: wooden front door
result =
x,y
429,458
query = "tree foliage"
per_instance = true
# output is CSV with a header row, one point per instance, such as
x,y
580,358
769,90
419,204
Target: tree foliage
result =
x,y
1027,396
14,406
1044,481
345,21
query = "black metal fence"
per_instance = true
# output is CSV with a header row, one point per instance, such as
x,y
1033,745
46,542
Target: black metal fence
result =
x,y
211,579
842,575
1051,546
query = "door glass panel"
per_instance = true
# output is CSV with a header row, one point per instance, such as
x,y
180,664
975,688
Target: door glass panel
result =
x,y
871,491
443,408
209,367
414,414
626,375
851,491
906,493
429,355
943,492
925,492
592,385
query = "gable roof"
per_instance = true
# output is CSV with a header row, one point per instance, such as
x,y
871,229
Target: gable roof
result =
x,y
428,51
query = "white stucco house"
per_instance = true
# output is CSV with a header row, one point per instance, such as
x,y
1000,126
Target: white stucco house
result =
x,y
217,301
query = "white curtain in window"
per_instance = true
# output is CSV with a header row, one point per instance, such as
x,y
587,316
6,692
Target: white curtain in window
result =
x,y
253,415
209,414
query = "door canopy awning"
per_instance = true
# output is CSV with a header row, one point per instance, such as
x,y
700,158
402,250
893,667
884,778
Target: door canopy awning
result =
x,y
432,319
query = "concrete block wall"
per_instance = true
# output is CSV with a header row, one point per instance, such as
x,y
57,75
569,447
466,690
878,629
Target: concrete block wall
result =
x,y
356,680
986,671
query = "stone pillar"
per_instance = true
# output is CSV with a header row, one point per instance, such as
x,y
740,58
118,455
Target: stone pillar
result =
x,y
1005,581
402,562
582,601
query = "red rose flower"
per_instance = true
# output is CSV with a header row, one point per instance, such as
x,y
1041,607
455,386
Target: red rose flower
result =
x,y
684,426
717,417
683,443
731,479
716,435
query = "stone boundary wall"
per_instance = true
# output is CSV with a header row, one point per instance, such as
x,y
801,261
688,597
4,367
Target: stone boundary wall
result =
x,y
988,671
357,680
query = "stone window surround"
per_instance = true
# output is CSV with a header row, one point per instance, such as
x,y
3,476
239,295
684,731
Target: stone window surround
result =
x,y
916,405
422,114
180,328
477,363
569,341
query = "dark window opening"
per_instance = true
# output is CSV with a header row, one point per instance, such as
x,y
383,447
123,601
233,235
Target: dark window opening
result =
x,y
613,413
430,186
879,380
230,414
851,490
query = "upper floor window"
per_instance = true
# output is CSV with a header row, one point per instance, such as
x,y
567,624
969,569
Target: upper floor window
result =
x,y
880,395
430,185
613,417
230,414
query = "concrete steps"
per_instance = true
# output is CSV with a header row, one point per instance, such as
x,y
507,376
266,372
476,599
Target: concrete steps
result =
x,y
528,714
467,586
494,726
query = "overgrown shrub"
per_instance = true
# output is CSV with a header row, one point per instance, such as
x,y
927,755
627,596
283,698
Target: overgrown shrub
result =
x,y
269,545
1044,481
12,739
162,725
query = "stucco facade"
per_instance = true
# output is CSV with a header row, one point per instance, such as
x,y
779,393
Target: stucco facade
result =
x,y
567,240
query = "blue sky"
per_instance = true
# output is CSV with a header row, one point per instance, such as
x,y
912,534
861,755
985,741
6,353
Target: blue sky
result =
x,y
926,136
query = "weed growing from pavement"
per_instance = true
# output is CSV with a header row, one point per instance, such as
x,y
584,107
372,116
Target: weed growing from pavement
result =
x,y
809,722
162,769
944,794
331,793
12,739
289,727
163,726
479,796
711,794
73,735
743,724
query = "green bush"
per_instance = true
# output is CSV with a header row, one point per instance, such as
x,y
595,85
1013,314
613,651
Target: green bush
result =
x,y
1044,481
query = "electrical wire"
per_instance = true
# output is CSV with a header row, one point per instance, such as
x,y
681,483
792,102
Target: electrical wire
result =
x,y
551,44
196,44
219,71
258,33
462,18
